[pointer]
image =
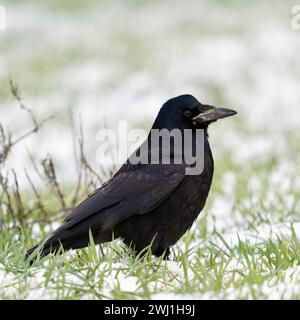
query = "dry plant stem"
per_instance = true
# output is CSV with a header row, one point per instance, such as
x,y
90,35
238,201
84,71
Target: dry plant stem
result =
x,y
6,203
50,173
83,158
14,211
38,197
77,158
21,215
36,125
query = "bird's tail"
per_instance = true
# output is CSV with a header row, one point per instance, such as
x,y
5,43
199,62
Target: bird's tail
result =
x,y
60,241
43,249
57,244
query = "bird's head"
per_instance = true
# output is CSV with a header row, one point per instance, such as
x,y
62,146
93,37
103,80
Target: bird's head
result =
x,y
186,112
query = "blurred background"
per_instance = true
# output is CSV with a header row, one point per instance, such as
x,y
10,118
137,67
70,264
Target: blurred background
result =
x,y
120,60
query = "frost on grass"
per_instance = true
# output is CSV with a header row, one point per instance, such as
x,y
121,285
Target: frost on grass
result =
x,y
234,252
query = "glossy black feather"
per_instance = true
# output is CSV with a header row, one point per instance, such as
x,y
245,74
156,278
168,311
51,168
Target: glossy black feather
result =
x,y
142,204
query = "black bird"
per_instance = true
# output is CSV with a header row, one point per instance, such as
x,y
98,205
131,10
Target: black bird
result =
x,y
145,204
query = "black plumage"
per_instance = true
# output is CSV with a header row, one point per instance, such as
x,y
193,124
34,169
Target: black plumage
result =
x,y
146,204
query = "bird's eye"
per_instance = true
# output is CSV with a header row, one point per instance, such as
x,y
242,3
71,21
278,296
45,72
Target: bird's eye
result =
x,y
187,113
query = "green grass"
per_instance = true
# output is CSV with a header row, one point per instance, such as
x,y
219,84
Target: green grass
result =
x,y
209,270
239,258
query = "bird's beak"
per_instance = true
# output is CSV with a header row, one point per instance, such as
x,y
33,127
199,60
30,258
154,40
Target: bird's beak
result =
x,y
212,113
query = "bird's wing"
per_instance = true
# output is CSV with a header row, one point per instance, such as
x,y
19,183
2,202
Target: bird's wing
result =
x,y
133,190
